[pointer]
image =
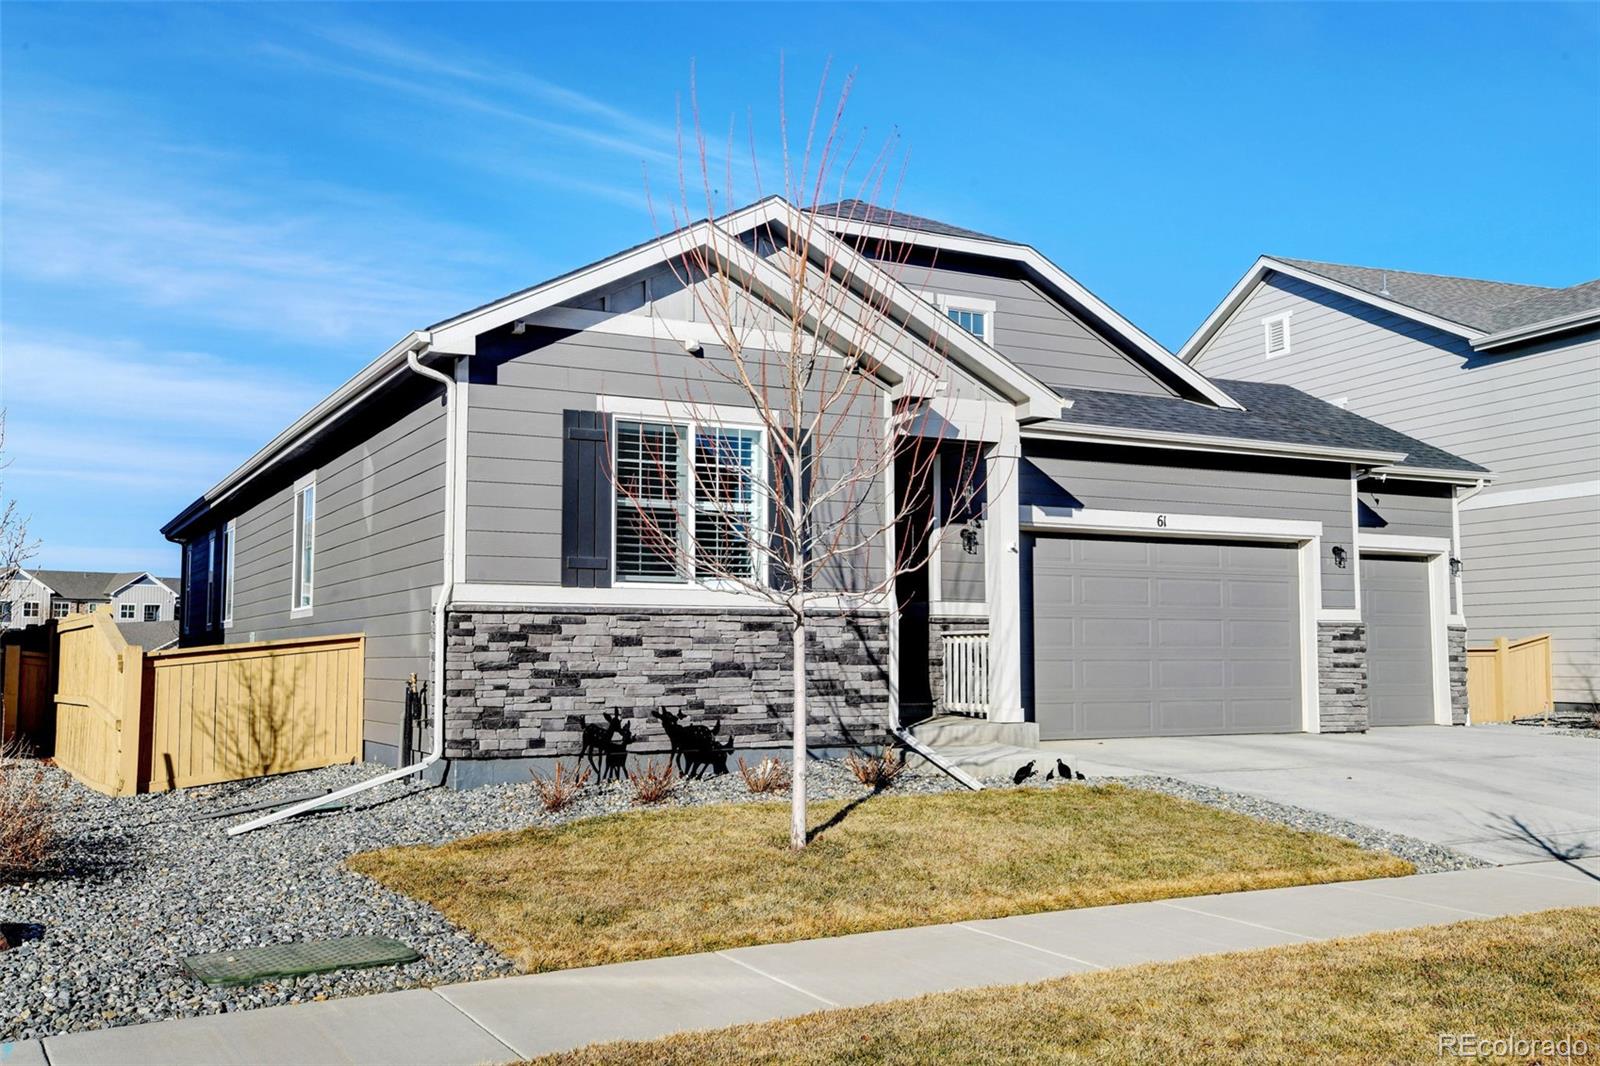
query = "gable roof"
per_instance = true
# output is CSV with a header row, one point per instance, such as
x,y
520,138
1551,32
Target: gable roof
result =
x,y
878,222
1487,314
91,584
149,636
1275,415
872,214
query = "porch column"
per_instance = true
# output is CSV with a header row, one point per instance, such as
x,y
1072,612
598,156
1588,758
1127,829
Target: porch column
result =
x,y
1003,575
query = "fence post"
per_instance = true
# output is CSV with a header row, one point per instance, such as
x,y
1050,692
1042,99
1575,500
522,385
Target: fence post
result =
x,y
1502,677
12,692
130,719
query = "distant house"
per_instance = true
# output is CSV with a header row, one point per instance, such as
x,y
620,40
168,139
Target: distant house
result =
x,y
1505,375
135,597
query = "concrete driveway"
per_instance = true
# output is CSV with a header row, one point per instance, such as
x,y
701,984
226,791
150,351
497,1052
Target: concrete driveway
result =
x,y
1506,794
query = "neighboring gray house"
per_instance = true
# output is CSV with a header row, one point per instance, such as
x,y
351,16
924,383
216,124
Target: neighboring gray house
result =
x,y
36,595
1155,552
1505,375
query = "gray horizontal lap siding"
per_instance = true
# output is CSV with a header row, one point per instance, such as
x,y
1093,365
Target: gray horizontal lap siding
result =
x,y
520,387
1532,417
1147,480
378,550
1406,509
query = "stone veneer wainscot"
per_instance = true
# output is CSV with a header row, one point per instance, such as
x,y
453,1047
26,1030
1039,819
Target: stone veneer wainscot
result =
x,y
1342,676
522,682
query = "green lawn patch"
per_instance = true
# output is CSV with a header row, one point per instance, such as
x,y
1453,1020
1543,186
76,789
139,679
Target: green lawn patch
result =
x,y
670,882
1384,998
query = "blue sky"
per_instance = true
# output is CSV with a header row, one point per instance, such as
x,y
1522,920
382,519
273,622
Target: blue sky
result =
x,y
214,215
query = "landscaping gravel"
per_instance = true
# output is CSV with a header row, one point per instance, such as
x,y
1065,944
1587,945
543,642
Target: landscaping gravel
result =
x,y
140,882
1428,858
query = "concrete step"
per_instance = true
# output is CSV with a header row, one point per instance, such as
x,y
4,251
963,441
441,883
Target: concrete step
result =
x,y
949,730
989,761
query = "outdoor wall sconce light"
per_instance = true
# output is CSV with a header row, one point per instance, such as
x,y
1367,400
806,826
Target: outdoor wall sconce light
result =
x,y
969,537
1455,566
1339,556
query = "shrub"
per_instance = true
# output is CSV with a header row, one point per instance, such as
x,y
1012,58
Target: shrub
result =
x,y
768,775
27,819
653,783
875,771
559,790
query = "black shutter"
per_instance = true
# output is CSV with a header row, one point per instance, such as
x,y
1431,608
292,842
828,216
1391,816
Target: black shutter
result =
x,y
586,500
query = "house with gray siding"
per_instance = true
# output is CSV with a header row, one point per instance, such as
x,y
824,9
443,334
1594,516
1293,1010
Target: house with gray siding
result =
x,y
1148,550
1506,375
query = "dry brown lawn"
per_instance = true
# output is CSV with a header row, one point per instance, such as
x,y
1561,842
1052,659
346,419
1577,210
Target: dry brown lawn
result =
x,y
1372,999
671,882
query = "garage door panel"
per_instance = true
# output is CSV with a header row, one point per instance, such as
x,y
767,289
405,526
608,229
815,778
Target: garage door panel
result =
x,y
1182,592
1118,633
1137,638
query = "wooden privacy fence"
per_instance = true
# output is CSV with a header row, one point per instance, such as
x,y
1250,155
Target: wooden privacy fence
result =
x,y
27,716
129,722
1513,679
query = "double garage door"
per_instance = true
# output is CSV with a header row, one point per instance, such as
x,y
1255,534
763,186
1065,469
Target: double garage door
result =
x,y
1164,638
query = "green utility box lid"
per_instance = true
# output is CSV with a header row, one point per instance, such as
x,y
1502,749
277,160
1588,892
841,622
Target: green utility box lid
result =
x,y
246,966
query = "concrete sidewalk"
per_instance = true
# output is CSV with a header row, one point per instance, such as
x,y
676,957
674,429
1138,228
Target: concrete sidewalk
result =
x,y
517,1017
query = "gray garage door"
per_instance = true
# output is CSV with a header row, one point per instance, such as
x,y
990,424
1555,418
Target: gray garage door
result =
x,y
1164,638
1394,606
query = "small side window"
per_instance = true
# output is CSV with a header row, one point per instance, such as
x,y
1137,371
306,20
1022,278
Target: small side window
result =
x,y
1275,335
305,533
126,612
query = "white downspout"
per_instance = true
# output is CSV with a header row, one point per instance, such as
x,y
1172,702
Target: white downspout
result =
x,y
441,609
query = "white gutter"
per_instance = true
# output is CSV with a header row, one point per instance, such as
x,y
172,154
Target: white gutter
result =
x,y
934,757
441,608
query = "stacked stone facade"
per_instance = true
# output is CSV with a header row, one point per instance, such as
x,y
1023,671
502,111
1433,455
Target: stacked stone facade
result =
x,y
938,626
1458,675
524,683
1342,674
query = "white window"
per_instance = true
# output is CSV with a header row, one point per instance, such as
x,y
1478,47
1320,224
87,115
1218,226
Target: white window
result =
x,y
687,512
305,535
1275,334
152,612
971,313
126,612
227,574
30,609
5,611
60,609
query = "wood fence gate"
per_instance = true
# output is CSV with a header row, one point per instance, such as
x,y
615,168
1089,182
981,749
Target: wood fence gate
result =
x,y
131,722
27,716
1513,679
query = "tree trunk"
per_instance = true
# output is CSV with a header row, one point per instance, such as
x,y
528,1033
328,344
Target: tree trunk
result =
x,y
797,801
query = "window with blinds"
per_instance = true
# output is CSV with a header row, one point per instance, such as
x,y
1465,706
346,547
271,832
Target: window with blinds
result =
x,y
685,512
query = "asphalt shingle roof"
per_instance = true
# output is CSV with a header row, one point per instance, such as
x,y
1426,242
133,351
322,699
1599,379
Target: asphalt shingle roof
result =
x,y
1490,306
149,635
862,211
1273,413
91,584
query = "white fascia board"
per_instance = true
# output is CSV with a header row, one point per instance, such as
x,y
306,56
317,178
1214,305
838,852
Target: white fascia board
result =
x,y
1053,275
146,574
1427,473
29,575
1199,442
1098,520
1572,490
1533,331
1254,276
1388,543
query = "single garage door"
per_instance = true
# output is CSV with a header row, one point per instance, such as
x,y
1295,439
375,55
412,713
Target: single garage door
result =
x,y
1394,606
1164,638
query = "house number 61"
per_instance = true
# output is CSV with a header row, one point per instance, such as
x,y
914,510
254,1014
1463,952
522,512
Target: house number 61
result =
x,y
1161,520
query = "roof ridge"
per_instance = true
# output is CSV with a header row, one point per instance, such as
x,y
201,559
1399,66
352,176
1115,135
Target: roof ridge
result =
x,y
1425,274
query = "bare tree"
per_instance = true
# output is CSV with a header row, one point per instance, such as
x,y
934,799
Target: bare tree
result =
x,y
787,469
16,547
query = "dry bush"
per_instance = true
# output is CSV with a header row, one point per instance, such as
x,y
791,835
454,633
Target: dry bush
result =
x,y
768,775
876,771
559,790
27,818
653,783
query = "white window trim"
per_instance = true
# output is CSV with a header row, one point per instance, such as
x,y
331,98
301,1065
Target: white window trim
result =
x,y
229,532
682,415
1266,334
31,609
947,302
127,612
152,607
296,610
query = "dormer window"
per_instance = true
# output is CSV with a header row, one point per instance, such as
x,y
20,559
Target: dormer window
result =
x,y
1275,335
